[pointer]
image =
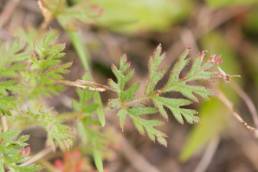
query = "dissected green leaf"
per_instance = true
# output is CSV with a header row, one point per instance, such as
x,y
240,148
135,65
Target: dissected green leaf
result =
x,y
46,68
149,127
141,110
199,70
123,75
10,152
182,62
155,74
93,142
176,107
213,113
129,93
122,117
58,134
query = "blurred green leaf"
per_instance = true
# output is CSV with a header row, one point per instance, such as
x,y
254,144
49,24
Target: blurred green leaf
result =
x,y
155,73
176,106
224,3
142,110
10,152
130,16
97,155
149,127
213,119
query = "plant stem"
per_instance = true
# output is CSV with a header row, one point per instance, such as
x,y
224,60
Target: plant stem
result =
x,y
81,51
4,123
84,57
138,101
229,105
247,100
38,156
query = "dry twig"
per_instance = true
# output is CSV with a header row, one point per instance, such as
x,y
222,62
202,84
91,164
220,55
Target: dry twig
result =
x,y
249,103
229,105
38,156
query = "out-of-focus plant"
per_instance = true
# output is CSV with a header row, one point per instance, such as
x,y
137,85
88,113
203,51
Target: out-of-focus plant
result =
x,y
145,15
225,3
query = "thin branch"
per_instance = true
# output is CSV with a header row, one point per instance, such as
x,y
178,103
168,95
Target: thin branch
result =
x,y
38,156
208,155
229,105
93,86
249,103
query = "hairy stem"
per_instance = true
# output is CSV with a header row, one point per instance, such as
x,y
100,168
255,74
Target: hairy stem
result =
x,y
229,105
247,100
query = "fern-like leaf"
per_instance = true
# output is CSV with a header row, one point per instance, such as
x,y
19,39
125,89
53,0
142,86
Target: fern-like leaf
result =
x,y
199,70
10,152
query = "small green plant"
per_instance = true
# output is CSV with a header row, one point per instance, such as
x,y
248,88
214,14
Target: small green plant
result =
x,y
32,69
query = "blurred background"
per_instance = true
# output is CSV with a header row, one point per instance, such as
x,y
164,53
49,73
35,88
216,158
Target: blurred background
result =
x,y
135,27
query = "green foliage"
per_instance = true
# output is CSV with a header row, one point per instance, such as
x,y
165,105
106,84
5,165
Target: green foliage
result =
x,y
123,75
212,112
93,141
200,70
29,71
45,66
144,15
175,106
58,134
11,62
130,106
214,119
10,152
125,94
154,15
35,70
84,57
155,74
32,69
225,3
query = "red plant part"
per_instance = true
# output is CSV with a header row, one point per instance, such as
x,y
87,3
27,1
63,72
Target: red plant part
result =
x,y
26,151
216,59
72,162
